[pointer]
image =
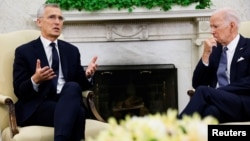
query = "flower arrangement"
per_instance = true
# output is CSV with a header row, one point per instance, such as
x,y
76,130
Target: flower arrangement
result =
x,y
157,127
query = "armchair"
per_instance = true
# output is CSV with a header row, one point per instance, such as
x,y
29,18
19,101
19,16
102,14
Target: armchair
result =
x,y
244,29
9,129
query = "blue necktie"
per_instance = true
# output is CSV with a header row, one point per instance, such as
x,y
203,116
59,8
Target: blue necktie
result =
x,y
55,63
221,72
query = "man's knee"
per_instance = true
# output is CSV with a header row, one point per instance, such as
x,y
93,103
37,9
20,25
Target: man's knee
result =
x,y
201,88
72,89
72,85
211,110
204,89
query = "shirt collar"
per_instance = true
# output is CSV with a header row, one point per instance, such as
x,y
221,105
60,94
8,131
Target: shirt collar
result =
x,y
46,42
233,44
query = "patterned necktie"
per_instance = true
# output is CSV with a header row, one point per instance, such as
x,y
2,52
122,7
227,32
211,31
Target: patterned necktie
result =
x,y
222,70
55,63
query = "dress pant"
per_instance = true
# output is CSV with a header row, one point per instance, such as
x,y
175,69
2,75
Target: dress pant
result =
x,y
207,101
65,112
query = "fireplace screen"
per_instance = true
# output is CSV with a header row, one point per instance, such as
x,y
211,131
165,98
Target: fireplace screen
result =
x,y
135,89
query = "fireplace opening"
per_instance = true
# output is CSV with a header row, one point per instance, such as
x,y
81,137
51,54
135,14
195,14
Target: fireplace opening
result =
x,y
135,89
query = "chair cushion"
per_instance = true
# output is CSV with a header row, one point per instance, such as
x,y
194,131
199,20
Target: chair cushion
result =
x,y
93,127
30,133
42,133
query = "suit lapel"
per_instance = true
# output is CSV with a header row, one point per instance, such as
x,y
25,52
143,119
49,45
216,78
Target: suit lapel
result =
x,y
64,62
40,53
241,47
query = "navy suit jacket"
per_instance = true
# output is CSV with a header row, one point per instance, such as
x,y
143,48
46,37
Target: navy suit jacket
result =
x,y
26,56
239,72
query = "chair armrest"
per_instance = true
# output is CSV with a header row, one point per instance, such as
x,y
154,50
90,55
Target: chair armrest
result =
x,y
12,115
89,95
4,99
190,93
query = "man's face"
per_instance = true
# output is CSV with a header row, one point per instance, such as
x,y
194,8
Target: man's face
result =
x,y
51,23
220,29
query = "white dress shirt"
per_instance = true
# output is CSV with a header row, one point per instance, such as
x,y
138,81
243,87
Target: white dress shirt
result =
x,y
48,51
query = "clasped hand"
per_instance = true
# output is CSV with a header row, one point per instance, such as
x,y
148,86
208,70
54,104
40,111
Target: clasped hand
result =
x,y
208,46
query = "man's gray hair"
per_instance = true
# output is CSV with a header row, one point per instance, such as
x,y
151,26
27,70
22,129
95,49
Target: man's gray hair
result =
x,y
230,15
41,10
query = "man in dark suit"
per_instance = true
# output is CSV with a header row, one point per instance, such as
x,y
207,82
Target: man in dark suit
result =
x,y
229,102
40,100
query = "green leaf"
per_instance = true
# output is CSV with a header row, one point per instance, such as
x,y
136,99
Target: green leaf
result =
x,y
96,5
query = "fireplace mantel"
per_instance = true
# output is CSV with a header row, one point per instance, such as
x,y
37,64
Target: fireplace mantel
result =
x,y
141,24
76,16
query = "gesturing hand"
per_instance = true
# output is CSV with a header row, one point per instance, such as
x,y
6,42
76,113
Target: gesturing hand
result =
x,y
42,74
91,67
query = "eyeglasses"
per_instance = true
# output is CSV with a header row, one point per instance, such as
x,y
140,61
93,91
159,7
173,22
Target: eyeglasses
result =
x,y
54,17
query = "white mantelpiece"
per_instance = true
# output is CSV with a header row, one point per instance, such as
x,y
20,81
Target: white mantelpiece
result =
x,y
76,16
149,37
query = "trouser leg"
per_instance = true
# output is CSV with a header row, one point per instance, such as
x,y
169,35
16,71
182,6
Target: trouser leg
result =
x,y
208,101
69,118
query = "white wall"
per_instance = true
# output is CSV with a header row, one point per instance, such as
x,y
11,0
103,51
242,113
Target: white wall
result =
x,y
16,14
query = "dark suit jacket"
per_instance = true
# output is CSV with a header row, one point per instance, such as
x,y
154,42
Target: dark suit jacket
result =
x,y
25,65
239,71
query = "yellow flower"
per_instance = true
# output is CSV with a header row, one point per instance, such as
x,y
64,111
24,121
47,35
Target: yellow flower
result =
x,y
157,127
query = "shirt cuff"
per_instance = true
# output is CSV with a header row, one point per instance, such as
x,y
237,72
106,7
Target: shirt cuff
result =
x,y
206,64
35,86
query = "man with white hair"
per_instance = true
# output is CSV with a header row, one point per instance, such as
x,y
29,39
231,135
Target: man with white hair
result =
x,y
222,76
